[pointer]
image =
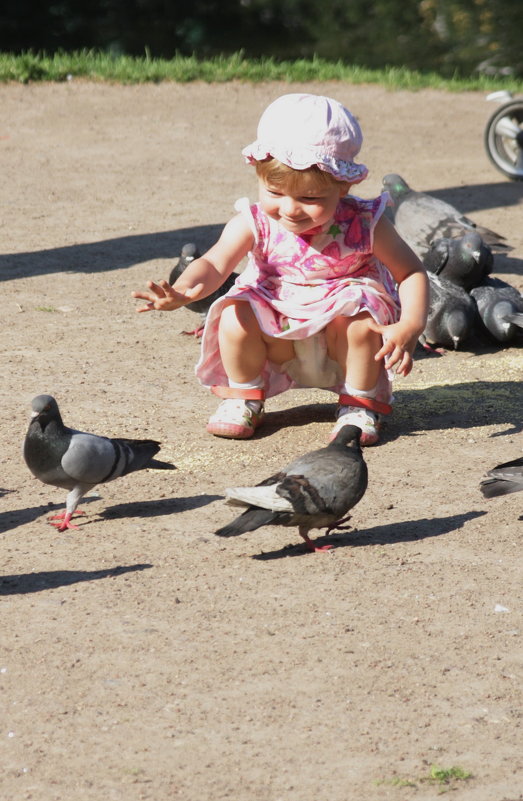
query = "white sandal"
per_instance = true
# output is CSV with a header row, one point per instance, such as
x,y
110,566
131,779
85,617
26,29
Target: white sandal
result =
x,y
239,414
366,413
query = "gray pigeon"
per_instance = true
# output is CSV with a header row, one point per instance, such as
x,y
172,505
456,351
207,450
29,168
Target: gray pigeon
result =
x,y
503,479
452,315
500,308
465,260
189,253
421,218
77,461
314,491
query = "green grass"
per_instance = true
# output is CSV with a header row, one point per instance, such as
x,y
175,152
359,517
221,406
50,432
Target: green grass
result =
x,y
98,66
444,778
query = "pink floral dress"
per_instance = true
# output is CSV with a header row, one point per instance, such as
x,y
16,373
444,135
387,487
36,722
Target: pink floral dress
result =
x,y
298,284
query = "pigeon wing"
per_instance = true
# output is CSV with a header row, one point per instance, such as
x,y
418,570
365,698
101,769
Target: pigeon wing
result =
x,y
326,481
90,459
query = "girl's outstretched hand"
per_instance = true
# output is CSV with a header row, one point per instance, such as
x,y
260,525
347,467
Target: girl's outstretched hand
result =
x,y
398,346
162,297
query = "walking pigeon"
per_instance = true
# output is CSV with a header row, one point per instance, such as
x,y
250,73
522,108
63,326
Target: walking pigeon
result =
x,y
465,260
77,461
452,315
188,254
314,491
503,479
500,308
421,218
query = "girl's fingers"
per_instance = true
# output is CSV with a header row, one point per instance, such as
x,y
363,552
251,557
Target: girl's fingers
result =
x,y
386,349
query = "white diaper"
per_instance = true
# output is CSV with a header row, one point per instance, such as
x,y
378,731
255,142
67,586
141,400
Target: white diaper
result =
x,y
312,366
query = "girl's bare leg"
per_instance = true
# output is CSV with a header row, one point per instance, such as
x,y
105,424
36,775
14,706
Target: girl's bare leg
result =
x,y
353,345
351,342
243,347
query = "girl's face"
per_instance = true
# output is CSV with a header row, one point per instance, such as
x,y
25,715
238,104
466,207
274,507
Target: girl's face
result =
x,y
302,207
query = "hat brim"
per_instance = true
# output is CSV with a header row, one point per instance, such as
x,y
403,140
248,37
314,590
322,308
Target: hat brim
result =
x,y
303,158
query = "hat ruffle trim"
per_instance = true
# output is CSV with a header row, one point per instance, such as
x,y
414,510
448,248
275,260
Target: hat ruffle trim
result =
x,y
307,157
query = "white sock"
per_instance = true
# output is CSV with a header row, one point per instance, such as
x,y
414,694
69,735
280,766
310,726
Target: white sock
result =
x,y
256,383
359,393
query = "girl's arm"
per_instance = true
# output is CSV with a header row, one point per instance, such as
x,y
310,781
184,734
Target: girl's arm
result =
x,y
203,275
413,287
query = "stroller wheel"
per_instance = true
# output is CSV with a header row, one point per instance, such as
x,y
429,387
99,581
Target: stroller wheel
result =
x,y
504,139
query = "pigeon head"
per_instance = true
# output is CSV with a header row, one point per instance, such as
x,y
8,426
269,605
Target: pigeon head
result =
x,y
189,252
347,437
458,326
45,409
500,324
395,185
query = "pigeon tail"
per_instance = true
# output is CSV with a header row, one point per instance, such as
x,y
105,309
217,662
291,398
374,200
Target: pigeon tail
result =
x,y
131,455
504,479
250,520
157,464
494,487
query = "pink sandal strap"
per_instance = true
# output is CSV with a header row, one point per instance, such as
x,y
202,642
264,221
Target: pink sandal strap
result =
x,y
365,403
233,392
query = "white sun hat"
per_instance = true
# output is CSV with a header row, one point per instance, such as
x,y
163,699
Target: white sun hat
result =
x,y
301,130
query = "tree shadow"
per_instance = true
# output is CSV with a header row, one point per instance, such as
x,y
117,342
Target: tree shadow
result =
x,y
387,534
479,197
461,406
109,254
466,405
23,583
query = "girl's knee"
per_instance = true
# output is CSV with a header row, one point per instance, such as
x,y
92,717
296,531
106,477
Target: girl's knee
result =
x,y
237,317
347,326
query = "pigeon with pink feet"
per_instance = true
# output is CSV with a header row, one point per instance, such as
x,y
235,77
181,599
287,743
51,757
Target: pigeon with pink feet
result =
x,y
315,490
77,461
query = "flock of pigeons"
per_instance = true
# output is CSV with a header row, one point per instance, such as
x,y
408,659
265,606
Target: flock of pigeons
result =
x,y
318,489
457,253
315,491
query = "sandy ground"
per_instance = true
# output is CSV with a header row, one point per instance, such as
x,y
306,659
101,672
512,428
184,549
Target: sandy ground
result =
x,y
141,657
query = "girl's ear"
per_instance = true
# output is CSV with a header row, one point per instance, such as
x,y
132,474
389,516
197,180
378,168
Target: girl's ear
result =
x,y
344,188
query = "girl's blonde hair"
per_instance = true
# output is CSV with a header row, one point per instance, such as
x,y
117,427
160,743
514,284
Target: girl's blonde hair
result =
x,y
275,172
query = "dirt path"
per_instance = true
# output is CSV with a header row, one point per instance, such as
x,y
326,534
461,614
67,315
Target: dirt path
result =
x,y
143,658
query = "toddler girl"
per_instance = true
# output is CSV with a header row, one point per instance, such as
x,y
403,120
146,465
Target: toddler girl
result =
x,y
331,296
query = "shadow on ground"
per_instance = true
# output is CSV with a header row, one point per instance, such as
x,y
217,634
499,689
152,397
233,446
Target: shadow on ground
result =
x,y
387,534
125,251
109,254
463,406
165,506
50,579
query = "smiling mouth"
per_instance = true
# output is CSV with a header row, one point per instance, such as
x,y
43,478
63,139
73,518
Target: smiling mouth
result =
x,y
293,221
